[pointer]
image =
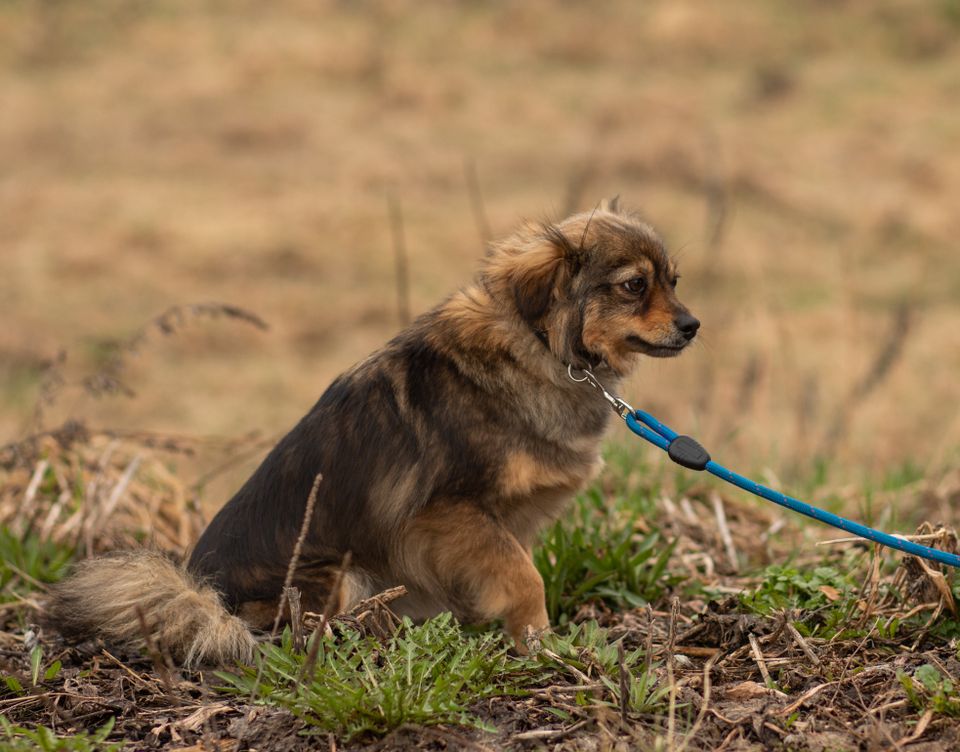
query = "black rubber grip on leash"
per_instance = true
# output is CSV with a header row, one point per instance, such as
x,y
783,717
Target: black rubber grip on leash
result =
x,y
687,451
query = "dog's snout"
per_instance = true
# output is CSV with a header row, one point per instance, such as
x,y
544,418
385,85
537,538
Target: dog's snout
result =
x,y
687,325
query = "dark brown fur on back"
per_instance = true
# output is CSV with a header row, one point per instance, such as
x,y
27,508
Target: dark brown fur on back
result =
x,y
446,452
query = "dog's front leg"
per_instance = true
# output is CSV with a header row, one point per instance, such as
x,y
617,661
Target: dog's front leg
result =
x,y
475,567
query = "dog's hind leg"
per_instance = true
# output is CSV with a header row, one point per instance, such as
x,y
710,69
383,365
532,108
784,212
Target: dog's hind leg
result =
x,y
475,567
321,591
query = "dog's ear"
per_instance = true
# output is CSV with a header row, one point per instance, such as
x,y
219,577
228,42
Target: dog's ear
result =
x,y
611,205
532,268
535,277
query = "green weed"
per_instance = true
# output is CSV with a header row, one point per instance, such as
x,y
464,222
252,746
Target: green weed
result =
x,y
28,563
935,691
824,596
432,674
786,587
587,648
427,674
597,553
21,739
38,674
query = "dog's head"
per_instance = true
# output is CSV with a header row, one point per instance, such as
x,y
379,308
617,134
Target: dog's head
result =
x,y
599,285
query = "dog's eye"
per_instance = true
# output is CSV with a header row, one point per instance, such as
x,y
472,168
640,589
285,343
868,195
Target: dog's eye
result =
x,y
673,282
636,285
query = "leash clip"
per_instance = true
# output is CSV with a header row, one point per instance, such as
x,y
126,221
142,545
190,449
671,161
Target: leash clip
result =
x,y
621,407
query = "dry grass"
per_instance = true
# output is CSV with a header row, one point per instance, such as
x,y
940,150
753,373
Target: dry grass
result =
x,y
802,162
96,493
792,658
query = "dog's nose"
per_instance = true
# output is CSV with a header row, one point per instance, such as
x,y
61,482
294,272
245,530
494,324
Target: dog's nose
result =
x,y
687,325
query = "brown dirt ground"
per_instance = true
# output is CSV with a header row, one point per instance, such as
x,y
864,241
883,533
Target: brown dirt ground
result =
x,y
720,658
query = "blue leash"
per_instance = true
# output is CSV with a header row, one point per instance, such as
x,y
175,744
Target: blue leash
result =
x,y
687,452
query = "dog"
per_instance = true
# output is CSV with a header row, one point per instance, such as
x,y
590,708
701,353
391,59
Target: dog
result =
x,y
443,455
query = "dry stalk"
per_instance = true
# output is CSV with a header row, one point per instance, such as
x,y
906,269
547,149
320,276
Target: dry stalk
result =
x,y
648,647
297,548
51,382
333,601
577,184
161,663
747,388
108,379
717,199
296,616
704,706
671,661
724,529
759,659
802,644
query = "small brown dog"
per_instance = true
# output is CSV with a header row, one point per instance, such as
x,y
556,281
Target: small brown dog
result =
x,y
443,455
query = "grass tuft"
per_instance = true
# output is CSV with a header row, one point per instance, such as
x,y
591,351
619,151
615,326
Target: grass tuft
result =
x,y
601,553
425,674
435,673
29,563
586,650
22,739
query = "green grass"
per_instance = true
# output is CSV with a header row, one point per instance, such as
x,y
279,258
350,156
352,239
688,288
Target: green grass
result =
x,y
433,674
824,597
587,648
928,689
598,552
28,563
21,739
426,674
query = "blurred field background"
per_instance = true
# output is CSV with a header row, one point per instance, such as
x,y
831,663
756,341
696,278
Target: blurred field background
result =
x,y
803,161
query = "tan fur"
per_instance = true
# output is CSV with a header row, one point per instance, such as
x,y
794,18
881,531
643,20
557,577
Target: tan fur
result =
x,y
464,557
184,618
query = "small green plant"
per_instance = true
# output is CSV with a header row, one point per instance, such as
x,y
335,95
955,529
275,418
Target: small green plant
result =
x,y
426,674
600,555
787,587
15,686
935,691
29,561
825,596
588,649
21,739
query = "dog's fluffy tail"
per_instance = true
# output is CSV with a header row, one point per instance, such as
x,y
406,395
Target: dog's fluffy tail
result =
x,y
105,597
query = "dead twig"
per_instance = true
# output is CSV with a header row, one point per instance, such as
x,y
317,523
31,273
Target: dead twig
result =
x,y
333,602
724,530
296,616
759,659
297,548
802,644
